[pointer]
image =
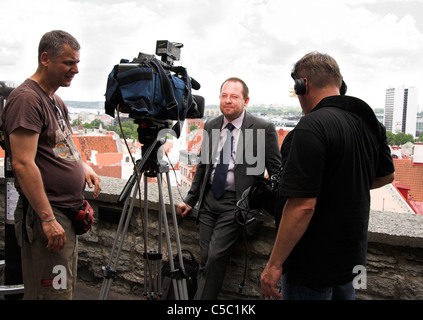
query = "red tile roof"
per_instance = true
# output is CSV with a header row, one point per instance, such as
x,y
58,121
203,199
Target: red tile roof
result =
x,y
108,171
410,175
101,144
109,159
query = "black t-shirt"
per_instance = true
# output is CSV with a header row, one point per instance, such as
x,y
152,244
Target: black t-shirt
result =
x,y
334,154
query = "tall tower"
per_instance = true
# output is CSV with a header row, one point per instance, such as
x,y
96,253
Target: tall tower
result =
x,y
401,110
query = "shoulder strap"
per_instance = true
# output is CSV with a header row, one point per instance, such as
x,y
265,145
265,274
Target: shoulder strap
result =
x,y
166,86
169,95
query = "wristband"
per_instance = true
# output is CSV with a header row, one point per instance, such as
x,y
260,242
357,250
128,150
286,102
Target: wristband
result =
x,y
49,220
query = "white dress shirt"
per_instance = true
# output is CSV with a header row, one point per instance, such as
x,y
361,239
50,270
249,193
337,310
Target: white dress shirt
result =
x,y
230,179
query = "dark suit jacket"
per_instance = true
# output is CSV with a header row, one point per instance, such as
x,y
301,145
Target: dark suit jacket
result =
x,y
257,149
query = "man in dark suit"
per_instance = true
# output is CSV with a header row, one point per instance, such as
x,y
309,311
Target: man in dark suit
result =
x,y
253,148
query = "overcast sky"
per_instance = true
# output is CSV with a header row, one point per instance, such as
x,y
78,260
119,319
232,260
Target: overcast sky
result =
x,y
377,44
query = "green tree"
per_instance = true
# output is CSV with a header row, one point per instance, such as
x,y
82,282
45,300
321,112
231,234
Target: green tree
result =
x,y
402,138
391,138
76,122
129,129
87,126
96,123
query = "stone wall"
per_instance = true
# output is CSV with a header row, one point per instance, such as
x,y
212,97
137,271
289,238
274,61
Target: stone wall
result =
x,y
395,255
96,246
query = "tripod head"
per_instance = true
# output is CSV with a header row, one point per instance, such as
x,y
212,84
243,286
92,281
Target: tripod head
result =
x,y
152,134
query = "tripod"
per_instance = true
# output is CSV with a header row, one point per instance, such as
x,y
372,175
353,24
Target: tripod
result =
x,y
152,258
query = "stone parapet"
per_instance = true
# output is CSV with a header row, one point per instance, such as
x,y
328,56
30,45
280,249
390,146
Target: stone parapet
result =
x,y
395,255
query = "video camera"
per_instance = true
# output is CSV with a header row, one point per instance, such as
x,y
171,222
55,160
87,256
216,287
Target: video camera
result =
x,y
154,90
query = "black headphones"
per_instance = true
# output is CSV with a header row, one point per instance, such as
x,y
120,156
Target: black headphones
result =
x,y
300,86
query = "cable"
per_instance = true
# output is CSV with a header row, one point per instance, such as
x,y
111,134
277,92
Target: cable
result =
x,y
176,178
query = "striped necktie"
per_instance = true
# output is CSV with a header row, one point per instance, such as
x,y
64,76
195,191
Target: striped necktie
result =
x,y
221,171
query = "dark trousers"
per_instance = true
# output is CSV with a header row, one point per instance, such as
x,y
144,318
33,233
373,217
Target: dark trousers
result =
x,y
296,292
218,233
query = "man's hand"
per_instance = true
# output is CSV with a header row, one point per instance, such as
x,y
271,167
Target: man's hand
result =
x,y
269,278
183,209
296,217
55,235
92,179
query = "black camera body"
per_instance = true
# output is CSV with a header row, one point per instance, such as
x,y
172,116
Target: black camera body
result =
x,y
154,89
169,51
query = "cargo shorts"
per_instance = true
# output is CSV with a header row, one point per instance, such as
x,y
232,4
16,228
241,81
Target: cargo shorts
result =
x,y
46,275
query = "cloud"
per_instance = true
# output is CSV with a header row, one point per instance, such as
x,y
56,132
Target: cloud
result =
x,y
411,8
376,43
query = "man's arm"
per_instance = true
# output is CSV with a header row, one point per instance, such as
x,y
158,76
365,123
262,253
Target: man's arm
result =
x,y
381,181
23,145
295,220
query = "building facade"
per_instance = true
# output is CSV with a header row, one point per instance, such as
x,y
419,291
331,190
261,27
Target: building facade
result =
x,y
401,110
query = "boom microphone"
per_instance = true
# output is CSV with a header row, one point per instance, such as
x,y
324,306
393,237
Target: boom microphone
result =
x,y
195,85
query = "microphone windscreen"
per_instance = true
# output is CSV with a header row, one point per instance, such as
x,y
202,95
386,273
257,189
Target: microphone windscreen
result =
x,y
195,85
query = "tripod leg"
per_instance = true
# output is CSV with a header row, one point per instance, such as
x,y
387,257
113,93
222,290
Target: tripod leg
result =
x,y
179,284
147,286
166,226
160,250
110,270
152,283
183,289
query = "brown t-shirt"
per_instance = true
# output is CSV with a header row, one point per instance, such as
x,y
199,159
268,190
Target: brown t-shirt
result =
x,y
60,164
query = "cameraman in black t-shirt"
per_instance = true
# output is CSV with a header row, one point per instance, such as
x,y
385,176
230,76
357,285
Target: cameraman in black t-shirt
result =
x,y
331,160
